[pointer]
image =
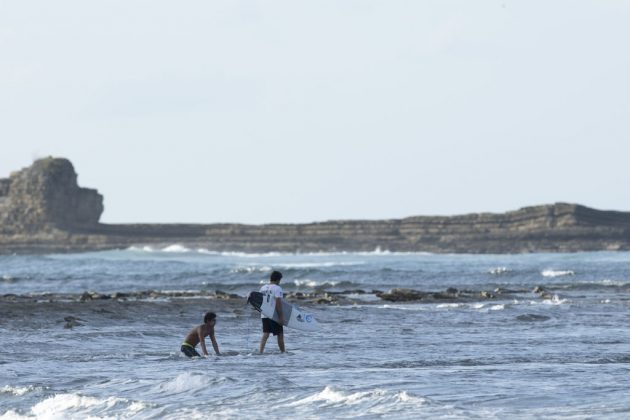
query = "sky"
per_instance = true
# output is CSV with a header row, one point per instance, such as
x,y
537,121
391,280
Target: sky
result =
x,y
298,111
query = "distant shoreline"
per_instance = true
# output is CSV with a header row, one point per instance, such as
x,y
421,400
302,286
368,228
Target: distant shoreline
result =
x,y
43,210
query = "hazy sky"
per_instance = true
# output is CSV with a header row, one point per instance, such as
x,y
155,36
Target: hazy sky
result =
x,y
296,111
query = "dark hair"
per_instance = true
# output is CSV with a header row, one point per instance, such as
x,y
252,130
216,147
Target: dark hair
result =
x,y
275,276
209,316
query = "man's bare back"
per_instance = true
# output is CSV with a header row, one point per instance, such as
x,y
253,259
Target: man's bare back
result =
x,y
197,335
194,335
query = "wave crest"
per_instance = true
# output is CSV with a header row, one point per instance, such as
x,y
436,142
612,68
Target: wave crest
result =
x,y
78,406
557,273
17,390
379,400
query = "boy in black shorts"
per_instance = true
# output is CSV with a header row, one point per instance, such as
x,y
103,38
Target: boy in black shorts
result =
x,y
269,325
197,335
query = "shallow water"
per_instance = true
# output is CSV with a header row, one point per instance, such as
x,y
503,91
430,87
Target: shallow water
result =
x,y
519,357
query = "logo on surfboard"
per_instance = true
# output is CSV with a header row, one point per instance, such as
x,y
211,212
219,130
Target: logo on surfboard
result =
x,y
307,318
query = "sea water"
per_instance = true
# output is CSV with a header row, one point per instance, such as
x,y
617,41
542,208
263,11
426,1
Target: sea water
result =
x,y
519,355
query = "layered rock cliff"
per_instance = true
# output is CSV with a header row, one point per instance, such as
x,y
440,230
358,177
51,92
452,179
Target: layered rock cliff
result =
x,y
42,209
46,196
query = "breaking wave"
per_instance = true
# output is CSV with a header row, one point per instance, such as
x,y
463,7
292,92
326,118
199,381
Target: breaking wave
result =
x,y
17,391
61,406
180,248
499,270
371,402
557,273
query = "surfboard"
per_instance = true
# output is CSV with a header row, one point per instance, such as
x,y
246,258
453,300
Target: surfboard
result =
x,y
294,317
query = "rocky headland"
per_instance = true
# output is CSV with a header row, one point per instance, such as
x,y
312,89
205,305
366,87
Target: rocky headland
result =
x,y
43,210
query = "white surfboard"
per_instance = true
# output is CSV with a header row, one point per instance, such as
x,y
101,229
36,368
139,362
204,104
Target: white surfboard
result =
x,y
294,317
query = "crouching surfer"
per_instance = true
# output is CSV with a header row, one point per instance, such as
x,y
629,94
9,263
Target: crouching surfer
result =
x,y
197,335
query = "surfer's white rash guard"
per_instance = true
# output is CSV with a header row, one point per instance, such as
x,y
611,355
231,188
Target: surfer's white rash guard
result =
x,y
274,290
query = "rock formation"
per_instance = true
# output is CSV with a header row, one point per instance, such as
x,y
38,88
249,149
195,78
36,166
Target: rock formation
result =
x,y
46,196
42,209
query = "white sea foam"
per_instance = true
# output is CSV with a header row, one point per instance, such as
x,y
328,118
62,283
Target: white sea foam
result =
x,y
267,268
319,264
608,282
499,270
555,300
196,414
243,254
186,381
69,406
403,307
376,401
314,283
252,269
378,251
557,273
19,391
60,403
145,248
182,248
478,306
366,297
449,305
12,415
206,251
176,248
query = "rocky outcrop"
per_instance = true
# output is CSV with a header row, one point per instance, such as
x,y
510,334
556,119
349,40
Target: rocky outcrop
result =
x,y
44,197
42,209
451,295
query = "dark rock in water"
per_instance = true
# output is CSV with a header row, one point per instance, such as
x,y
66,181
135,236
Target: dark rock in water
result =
x,y
533,318
94,299
223,295
543,293
502,291
355,292
72,322
86,296
324,301
402,295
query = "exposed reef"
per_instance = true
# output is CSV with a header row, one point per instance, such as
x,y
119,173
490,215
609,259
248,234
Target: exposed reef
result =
x,y
346,297
43,210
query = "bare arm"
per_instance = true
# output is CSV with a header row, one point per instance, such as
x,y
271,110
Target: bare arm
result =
x,y
202,341
279,310
214,342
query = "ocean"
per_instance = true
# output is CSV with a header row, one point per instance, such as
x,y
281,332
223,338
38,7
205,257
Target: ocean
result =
x,y
521,353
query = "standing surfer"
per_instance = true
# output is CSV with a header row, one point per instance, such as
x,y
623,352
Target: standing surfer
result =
x,y
273,291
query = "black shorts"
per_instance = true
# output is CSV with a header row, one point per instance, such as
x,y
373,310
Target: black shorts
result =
x,y
271,326
190,351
